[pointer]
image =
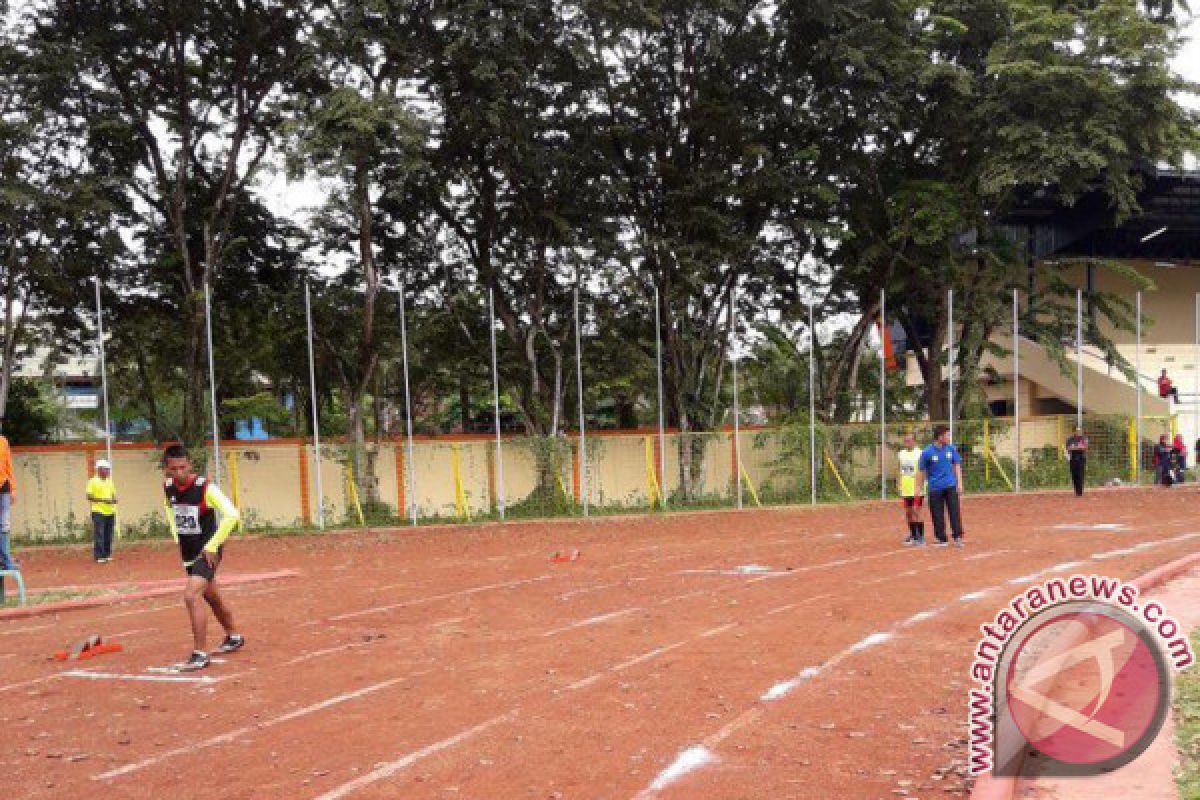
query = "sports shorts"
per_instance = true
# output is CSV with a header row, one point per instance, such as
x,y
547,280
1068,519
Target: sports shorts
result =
x,y
913,502
201,569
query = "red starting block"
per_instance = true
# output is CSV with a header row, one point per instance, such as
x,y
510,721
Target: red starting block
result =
x,y
86,648
565,556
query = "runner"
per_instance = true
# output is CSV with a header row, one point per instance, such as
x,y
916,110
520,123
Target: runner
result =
x,y
192,506
911,495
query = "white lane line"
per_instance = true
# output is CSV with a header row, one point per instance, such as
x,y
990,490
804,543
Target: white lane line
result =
x,y
786,687
121,676
685,595
226,738
422,600
151,610
717,631
689,760
327,651
26,630
584,623
33,682
871,641
624,665
390,769
135,632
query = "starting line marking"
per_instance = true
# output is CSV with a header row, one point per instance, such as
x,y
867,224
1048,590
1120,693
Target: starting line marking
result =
x,y
121,676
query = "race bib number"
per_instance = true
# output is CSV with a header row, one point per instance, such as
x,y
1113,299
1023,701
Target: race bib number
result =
x,y
187,520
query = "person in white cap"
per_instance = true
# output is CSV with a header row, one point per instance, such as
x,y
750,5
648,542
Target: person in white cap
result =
x,y
103,496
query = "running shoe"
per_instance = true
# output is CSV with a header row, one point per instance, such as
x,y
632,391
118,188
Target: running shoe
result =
x,y
199,660
234,641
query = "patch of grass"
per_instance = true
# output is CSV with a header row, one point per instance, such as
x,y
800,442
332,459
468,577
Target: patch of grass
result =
x,y
1187,729
44,598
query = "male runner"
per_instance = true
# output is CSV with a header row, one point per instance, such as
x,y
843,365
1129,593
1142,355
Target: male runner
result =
x,y
192,503
911,495
943,465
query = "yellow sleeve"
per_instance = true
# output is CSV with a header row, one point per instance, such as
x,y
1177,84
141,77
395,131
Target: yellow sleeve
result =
x,y
170,519
215,498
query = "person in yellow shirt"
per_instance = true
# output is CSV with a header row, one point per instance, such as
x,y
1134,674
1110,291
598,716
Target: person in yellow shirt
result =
x,y
193,505
8,496
910,494
102,494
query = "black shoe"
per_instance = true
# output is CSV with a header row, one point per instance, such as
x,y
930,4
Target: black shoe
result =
x,y
234,641
199,660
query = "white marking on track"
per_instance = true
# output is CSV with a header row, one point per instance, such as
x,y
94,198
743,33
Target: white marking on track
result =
x,y
689,760
870,641
921,616
969,596
391,768
624,665
783,688
25,630
121,676
717,631
327,651
152,609
422,600
32,682
585,623
226,738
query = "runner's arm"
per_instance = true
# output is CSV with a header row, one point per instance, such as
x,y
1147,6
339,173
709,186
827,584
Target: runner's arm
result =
x,y
229,517
170,519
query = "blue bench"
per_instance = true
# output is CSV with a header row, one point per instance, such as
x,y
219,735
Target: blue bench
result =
x,y
15,574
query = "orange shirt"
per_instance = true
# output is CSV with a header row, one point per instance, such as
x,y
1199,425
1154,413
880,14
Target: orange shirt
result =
x,y
6,467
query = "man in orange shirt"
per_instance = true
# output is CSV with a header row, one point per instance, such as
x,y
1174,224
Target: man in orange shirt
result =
x,y
8,493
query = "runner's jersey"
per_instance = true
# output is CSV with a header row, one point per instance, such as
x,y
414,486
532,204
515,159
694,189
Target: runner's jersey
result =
x,y
908,465
192,515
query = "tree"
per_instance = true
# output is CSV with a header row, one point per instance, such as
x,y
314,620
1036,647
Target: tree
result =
x,y
362,139
58,218
181,105
707,153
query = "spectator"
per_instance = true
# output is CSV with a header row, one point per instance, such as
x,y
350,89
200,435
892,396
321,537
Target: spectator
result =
x,y
1166,388
1180,457
103,496
1164,455
8,495
1077,447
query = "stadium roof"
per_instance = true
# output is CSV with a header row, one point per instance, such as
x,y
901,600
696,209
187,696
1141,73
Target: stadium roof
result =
x,y
1166,229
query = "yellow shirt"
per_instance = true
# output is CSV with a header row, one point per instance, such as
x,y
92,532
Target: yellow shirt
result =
x,y
103,489
908,466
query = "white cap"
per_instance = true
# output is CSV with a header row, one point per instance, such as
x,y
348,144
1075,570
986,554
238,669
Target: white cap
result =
x,y
102,464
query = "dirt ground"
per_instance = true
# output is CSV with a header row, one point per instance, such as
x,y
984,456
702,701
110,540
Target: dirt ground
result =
x,y
782,653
